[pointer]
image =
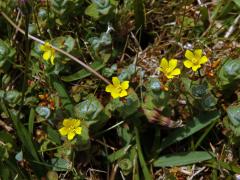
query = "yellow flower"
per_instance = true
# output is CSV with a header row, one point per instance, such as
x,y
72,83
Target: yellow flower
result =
x,y
71,127
194,59
49,52
117,89
169,68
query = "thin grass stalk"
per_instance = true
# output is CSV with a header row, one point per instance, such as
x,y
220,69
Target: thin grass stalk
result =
x,y
146,173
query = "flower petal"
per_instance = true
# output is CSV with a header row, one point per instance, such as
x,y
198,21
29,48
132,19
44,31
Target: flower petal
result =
x,y
52,60
52,57
198,53
78,130
123,93
76,122
189,55
175,72
42,47
67,122
116,81
196,67
125,84
172,64
46,55
163,64
71,135
169,76
45,46
188,64
115,94
63,131
203,60
109,88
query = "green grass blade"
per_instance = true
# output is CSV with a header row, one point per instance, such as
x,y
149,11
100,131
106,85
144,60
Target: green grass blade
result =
x,y
12,165
181,159
224,165
193,126
31,120
26,139
118,154
146,173
139,14
237,2
22,133
204,134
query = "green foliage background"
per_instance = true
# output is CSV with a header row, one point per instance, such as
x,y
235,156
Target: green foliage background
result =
x,y
151,133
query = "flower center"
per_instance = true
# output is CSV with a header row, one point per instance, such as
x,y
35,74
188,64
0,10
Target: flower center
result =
x,y
71,128
168,71
195,61
118,89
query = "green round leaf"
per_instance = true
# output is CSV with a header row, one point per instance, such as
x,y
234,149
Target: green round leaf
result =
x,y
154,85
42,13
64,42
107,72
4,50
43,111
6,54
32,28
88,109
208,102
92,11
234,114
199,90
229,73
60,164
127,73
131,105
12,96
6,79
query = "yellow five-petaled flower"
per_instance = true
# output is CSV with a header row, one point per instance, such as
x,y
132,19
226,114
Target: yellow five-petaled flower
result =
x,y
117,89
194,59
70,128
169,68
49,52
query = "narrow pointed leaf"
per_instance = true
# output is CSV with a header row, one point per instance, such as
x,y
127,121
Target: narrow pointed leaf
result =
x,y
193,126
181,159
